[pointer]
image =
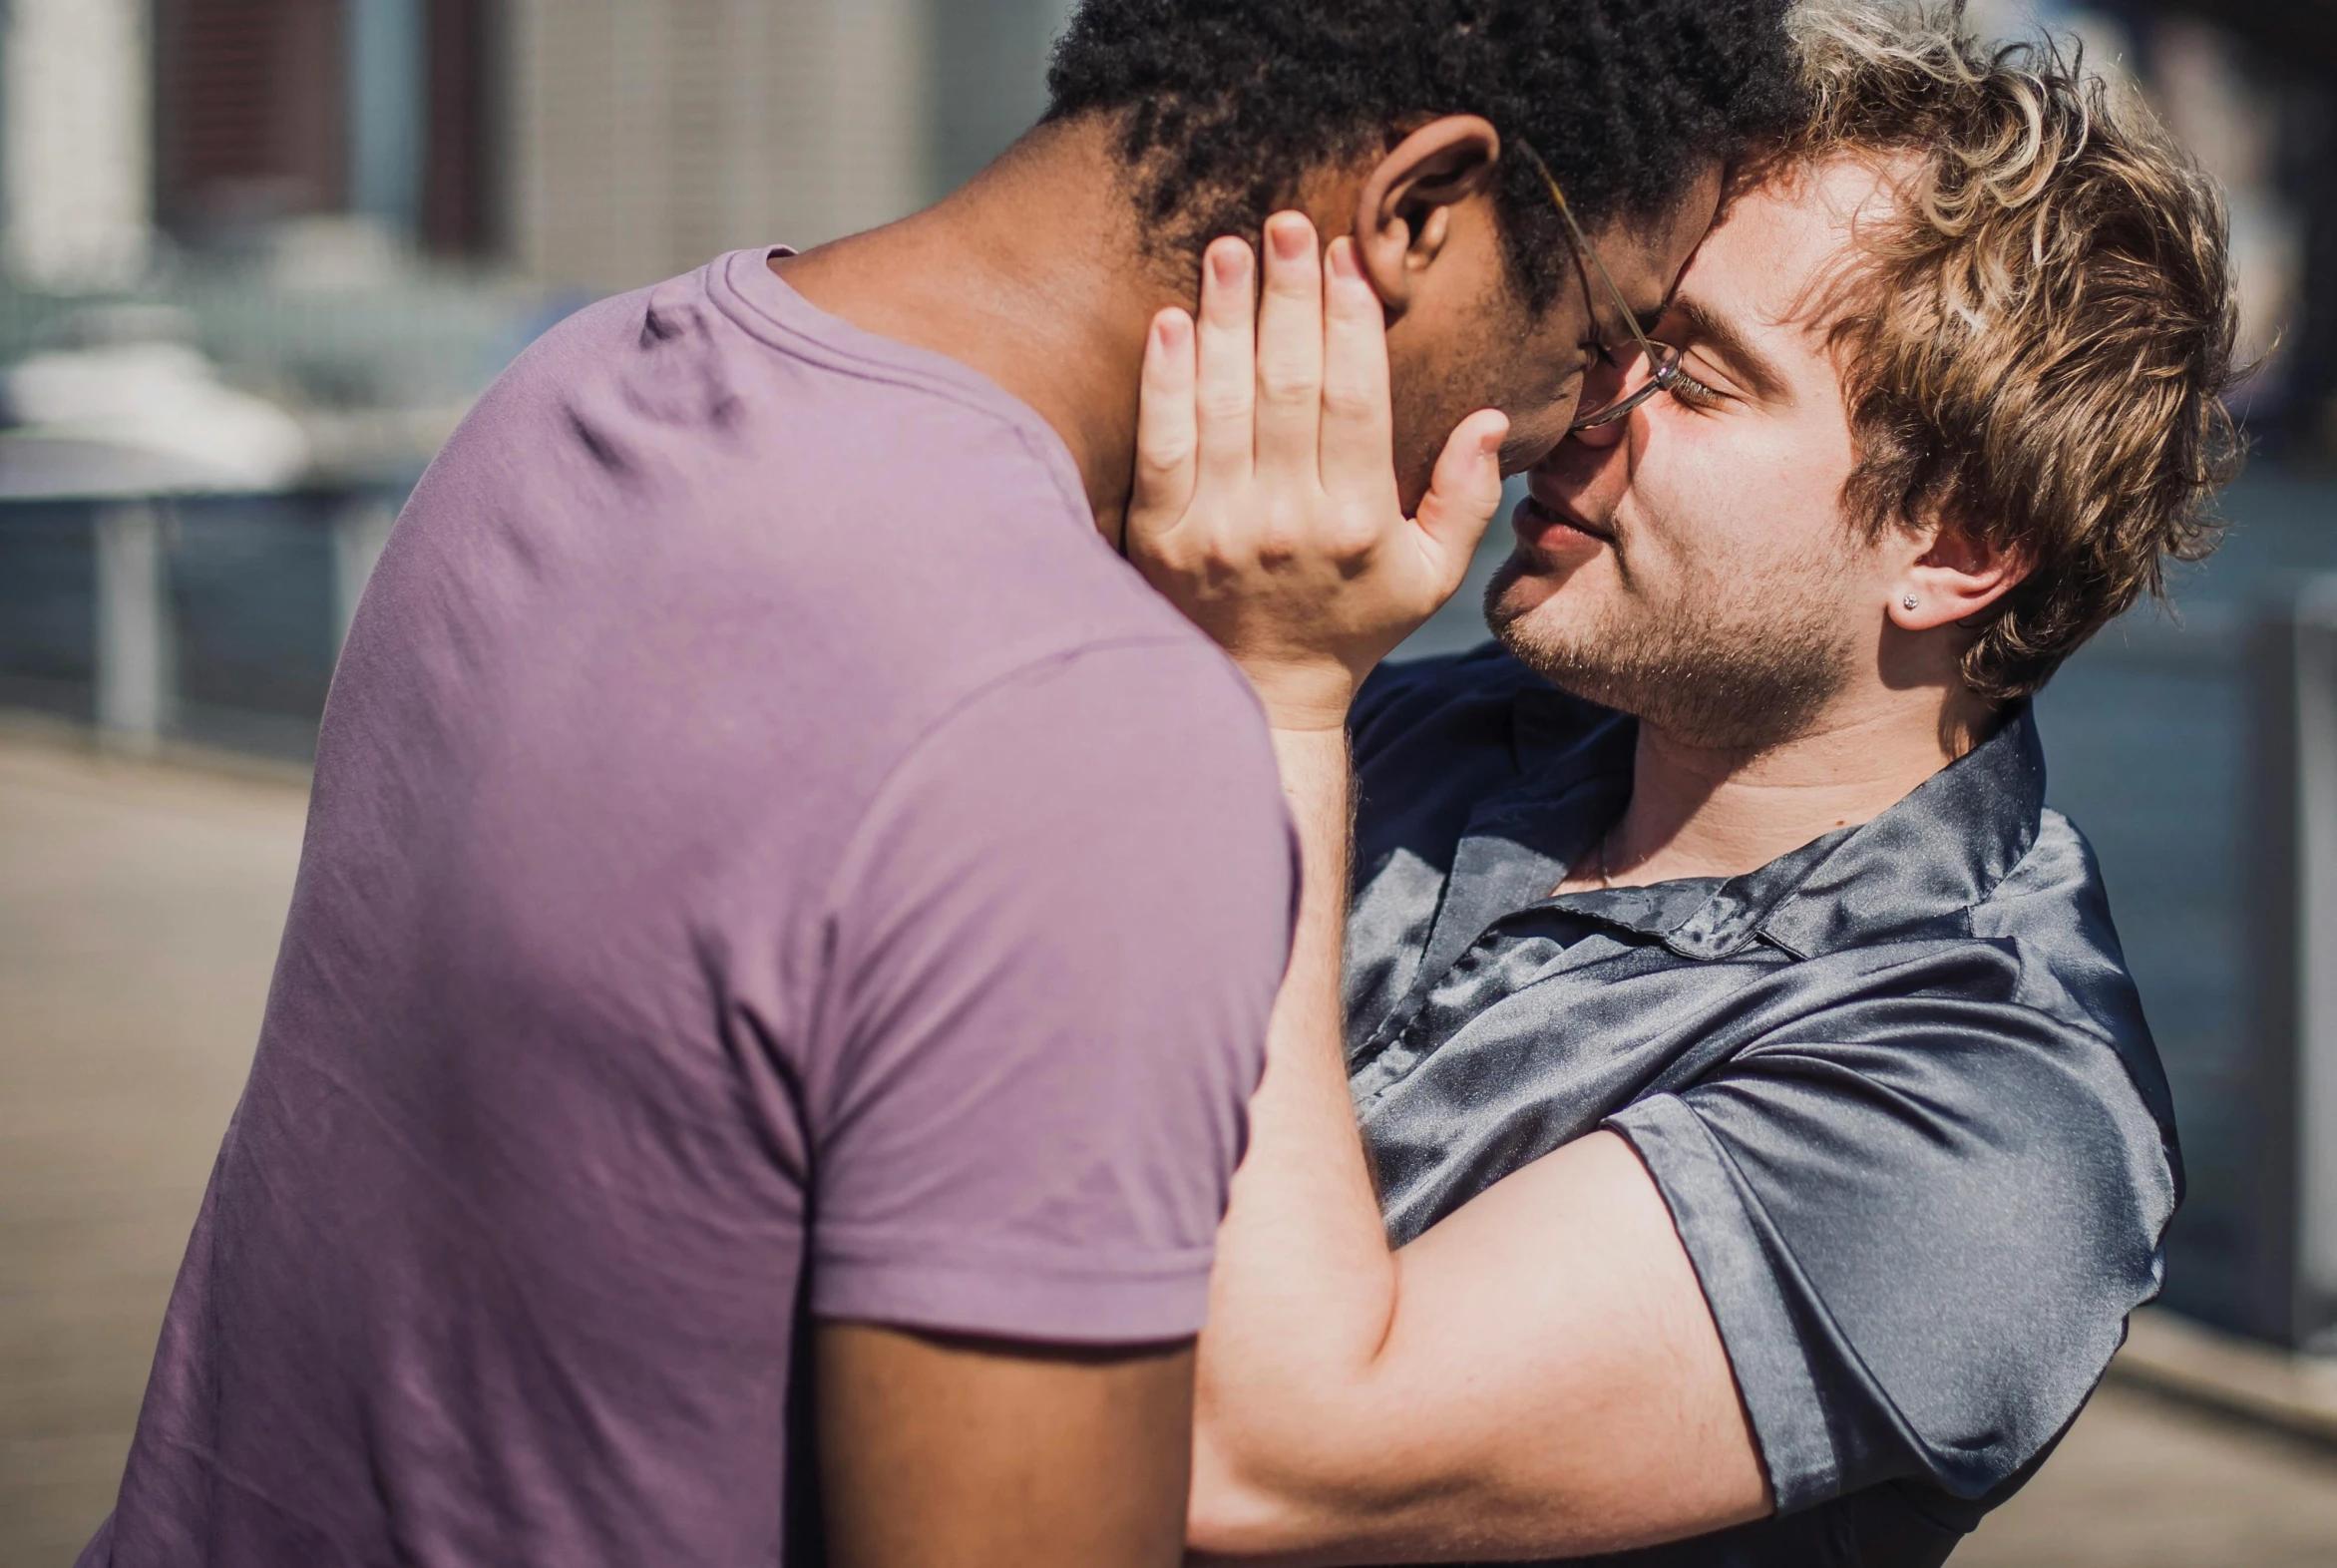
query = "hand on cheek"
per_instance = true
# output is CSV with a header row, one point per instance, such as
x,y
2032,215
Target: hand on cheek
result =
x,y
1266,504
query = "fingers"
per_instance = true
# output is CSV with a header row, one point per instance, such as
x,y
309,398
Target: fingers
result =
x,y
1167,427
1290,349
1465,492
1357,434
1227,373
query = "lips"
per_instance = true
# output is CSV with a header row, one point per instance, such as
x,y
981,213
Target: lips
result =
x,y
1543,526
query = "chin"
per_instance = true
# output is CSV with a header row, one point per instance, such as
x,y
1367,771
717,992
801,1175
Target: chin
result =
x,y
1522,587
1532,602
1559,660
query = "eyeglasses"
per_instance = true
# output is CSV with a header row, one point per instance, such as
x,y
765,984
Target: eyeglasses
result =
x,y
1663,362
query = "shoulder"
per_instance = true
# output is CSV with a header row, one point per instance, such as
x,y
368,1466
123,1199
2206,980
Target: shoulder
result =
x,y
2024,987
723,385
2053,911
1156,698
1087,833
2021,1005
717,453
2058,884
2052,914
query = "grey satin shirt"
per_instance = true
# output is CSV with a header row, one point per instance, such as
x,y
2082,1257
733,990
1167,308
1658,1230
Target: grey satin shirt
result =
x,y
1895,1087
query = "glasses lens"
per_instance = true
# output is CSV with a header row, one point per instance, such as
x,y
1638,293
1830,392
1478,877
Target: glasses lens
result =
x,y
1612,391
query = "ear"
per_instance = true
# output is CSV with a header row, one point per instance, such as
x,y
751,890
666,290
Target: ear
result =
x,y
1404,212
1957,576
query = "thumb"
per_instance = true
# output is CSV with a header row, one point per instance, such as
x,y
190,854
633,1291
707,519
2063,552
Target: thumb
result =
x,y
1466,490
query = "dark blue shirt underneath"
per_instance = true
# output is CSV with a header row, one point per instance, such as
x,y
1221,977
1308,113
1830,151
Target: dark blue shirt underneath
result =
x,y
1895,1087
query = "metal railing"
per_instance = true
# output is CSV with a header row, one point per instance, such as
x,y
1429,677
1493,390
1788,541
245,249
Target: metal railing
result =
x,y
213,620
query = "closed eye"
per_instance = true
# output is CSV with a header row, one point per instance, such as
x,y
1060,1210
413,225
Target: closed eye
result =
x,y
1694,392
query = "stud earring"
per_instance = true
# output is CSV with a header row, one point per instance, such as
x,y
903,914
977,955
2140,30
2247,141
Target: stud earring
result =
x,y
1911,601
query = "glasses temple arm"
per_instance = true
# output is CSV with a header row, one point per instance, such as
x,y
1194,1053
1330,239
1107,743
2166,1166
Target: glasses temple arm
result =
x,y
1584,249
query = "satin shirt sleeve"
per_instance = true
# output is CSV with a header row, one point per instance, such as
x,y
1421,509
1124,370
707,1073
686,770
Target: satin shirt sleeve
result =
x,y
1920,1216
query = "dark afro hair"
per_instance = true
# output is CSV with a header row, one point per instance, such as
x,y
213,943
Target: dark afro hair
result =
x,y
1226,105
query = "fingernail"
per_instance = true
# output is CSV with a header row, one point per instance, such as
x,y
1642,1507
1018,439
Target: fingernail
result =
x,y
1345,265
1170,328
1290,236
1229,263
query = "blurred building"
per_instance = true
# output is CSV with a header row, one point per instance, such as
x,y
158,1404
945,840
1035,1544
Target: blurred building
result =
x,y
647,135
274,110
74,142
359,210
257,256
589,144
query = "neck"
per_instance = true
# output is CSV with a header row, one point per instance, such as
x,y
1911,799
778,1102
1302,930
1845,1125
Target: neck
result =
x,y
1033,274
1706,811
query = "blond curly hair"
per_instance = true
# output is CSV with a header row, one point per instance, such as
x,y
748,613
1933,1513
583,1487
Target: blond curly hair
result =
x,y
2042,330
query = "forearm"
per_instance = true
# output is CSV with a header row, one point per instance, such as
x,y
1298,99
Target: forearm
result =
x,y
1536,1376
1304,1287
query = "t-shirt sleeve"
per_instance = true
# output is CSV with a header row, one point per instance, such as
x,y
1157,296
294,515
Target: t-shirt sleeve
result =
x,y
1920,1247
1056,939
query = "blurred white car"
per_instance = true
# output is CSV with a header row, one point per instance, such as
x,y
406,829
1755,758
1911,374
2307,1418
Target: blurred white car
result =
x,y
140,419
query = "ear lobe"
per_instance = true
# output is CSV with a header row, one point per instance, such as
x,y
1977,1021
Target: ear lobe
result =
x,y
1404,211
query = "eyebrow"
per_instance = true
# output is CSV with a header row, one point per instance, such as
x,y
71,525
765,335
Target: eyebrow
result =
x,y
1708,326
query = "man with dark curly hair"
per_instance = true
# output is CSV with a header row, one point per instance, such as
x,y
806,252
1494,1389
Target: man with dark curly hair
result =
x,y
788,922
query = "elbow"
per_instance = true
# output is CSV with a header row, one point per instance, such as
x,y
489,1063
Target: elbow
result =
x,y
1229,1519
1241,1509
1283,1496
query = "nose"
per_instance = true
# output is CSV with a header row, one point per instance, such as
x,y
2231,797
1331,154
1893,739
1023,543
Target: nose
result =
x,y
1589,470
1584,474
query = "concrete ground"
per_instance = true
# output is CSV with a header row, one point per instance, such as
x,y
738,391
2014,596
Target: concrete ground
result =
x,y
138,914
2143,1482
139,908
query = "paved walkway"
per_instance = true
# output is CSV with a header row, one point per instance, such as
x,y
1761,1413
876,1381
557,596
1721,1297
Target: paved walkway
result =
x,y
2141,1482
139,914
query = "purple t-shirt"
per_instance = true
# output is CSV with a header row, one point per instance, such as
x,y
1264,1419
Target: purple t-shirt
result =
x,y
769,858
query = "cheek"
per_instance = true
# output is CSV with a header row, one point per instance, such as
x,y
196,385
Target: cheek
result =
x,y
1419,406
1747,490
1738,478
1545,382
1534,375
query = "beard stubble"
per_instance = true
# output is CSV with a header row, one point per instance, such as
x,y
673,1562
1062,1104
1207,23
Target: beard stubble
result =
x,y
1725,663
